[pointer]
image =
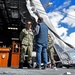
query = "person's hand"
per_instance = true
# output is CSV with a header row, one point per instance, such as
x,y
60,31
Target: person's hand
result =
x,y
47,48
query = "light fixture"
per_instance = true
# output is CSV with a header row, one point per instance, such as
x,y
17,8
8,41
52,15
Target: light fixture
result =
x,y
12,28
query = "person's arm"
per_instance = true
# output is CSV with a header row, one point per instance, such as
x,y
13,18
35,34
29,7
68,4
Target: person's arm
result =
x,y
21,36
37,30
50,43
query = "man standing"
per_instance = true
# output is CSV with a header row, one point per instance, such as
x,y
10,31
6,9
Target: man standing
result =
x,y
26,38
41,43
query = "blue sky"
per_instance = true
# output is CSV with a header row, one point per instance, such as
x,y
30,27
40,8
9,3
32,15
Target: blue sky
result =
x,y
62,16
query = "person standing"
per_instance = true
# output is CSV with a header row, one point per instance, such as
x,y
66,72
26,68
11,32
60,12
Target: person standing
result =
x,y
50,51
41,38
26,38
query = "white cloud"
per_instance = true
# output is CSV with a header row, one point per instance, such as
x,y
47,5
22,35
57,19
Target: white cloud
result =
x,y
62,31
55,18
65,4
58,16
70,39
70,19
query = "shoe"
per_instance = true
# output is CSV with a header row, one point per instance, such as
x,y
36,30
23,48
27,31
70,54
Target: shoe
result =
x,y
55,68
45,66
52,66
21,65
38,67
29,66
49,65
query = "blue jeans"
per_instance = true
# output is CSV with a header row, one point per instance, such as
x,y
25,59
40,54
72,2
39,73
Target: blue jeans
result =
x,y
41,49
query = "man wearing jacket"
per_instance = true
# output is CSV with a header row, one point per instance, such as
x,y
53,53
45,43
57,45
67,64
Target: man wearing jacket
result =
x,y
41,43
26,38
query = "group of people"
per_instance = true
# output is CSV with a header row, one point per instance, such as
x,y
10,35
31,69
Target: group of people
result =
x,y
44,44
